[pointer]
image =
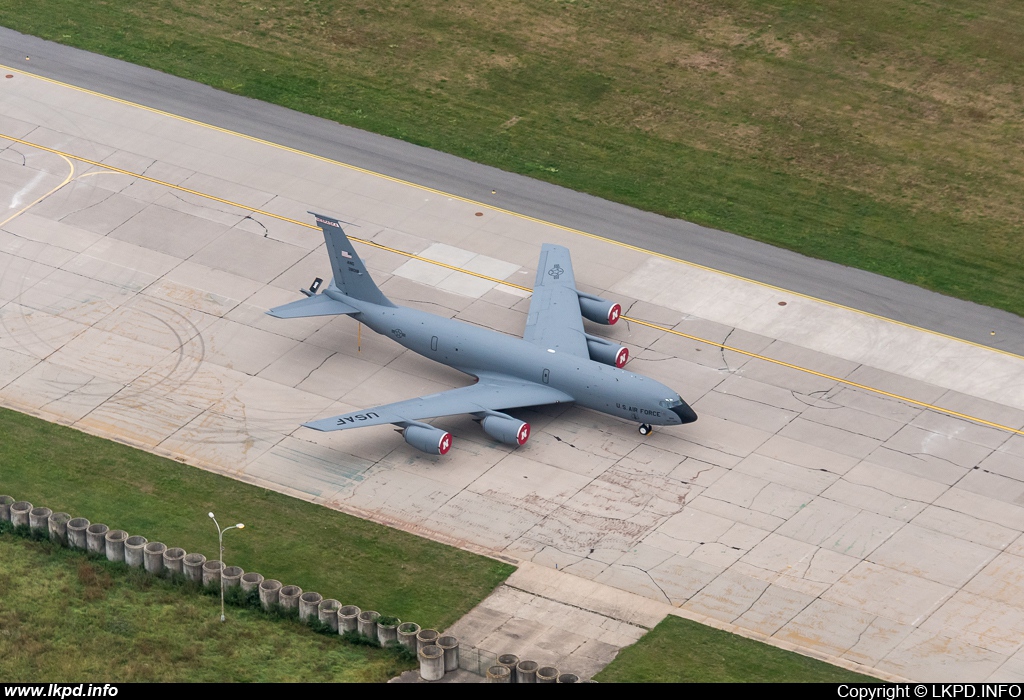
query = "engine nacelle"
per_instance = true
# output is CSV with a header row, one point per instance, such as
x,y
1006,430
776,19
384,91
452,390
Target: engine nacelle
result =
x,y
506,429
424,438
607,352
599,310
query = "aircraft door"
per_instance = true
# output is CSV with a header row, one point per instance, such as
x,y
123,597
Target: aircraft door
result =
x,y
545,376
433,343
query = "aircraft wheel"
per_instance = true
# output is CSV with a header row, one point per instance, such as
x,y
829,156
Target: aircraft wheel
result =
x,y
645,429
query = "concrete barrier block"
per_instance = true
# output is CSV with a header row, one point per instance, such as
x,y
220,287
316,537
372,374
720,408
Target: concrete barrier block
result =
x,y
174,561
38,519
328,612
5,507
113,544
192,566
134,551
547,674
251,581
309,603
499,674
407,632
288,597
19,513
270,591
526,672
96,539
211,572
450,645
387,630
368,624
568,678
427,637
57,525
509,661
348,619
153,557
431,663
232,576
77,529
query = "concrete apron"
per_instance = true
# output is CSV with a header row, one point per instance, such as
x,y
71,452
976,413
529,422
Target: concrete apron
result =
x,y
801,508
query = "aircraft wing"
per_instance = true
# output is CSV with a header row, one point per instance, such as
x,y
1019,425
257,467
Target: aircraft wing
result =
x,y
493,392
554,320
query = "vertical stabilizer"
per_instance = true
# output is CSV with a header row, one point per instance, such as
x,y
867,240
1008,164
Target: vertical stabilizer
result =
x,y
350,275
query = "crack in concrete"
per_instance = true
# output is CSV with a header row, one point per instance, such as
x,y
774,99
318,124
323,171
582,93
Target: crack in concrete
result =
x,y
94,204
566,443
800,397
656,584
266,231
753,602
322,363
721,350
10,148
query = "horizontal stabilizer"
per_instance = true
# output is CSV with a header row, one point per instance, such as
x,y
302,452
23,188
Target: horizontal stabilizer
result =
x,y
319,305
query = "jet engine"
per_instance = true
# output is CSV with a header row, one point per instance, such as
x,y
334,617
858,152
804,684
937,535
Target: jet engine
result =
x,y
606,352
599,310
506,429
425,438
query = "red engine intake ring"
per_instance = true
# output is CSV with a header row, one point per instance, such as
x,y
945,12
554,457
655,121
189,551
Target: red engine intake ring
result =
x,y
622,358
524,434
444,444
613,315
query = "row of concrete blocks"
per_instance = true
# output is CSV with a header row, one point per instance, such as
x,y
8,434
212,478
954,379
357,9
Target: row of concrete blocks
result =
x,y
510,669
437,654
117,545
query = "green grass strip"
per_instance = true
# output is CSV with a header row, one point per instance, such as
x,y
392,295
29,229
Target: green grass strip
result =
x,y
67,618
337,555
883,136
682,651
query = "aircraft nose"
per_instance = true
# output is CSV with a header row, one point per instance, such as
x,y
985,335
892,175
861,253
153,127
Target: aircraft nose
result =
x,y
685,413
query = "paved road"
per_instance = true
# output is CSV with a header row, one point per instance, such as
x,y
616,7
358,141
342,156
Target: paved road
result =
x,y
681,239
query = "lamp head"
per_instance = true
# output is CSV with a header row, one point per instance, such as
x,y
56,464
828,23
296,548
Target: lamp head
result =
x,y
210,514
240,526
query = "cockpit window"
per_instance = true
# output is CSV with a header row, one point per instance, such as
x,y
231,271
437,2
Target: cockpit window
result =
x,y
671,403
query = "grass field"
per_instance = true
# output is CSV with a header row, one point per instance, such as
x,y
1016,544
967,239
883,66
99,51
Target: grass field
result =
x,y
64,618
681,651
340,556
883,134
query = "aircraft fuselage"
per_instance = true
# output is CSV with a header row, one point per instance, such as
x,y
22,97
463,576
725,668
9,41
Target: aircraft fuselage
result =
x,y
473,349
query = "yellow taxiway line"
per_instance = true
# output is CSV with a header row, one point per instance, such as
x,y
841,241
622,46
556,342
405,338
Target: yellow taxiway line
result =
x,y
113,169
492,207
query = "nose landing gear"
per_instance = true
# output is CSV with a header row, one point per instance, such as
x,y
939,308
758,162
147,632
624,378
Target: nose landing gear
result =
x,y
646,429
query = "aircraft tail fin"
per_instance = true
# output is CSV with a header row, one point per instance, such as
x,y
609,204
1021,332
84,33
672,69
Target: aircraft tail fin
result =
x,y
350,275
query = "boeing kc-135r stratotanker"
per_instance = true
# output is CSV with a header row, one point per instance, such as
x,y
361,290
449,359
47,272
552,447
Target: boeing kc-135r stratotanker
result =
x,y
556,361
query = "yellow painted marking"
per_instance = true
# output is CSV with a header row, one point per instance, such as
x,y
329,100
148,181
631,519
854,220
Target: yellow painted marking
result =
x,y
71,174
840,380
110,168
492,207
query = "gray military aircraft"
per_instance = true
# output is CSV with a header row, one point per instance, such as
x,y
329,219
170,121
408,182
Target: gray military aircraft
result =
x,y
556,361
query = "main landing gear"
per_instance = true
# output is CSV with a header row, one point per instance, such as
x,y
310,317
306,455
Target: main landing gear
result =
x,y
646,429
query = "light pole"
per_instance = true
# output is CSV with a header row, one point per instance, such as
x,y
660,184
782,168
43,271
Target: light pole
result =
x,y
220,541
